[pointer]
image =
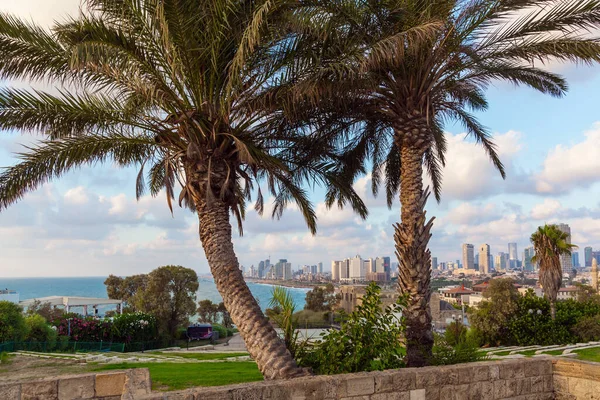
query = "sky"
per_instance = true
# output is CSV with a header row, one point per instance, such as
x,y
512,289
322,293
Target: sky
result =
x,y
88,223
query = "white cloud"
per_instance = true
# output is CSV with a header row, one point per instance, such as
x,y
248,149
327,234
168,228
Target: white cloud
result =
x,y
567,167
43,12
545,210
77,196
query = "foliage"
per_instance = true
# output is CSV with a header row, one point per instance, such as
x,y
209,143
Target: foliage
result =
x,y
225,317
134,327
586,293
38,330
281,298
455,333
549,243
170,296
12,323
223,331
171,376
464,350
207,311
322,298
83,329
126,288
369,339
492,314
46,310
588,328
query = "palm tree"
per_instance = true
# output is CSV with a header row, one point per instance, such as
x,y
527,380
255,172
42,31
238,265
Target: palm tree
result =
x,y
168,85
549,244
386,75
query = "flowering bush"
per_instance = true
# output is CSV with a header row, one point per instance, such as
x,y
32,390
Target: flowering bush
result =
x,y
125,328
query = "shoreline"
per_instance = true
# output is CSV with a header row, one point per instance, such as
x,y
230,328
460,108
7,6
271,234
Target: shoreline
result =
x,y
290,284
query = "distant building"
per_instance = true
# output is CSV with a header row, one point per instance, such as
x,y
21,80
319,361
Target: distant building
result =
x,y
261,269
320,268
484,258
528,254
335,270
287,271
587,256
501,262
566,262
477,261
575,258
512,255
314,269
434,263
468,256
596,256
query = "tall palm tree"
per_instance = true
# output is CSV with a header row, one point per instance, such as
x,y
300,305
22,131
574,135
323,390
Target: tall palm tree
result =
x,y
168,85
382,77
549,244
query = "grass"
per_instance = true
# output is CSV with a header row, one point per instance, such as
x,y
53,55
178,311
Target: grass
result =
x,y
592,354
528,353
553,352
201,356
171,376
501,353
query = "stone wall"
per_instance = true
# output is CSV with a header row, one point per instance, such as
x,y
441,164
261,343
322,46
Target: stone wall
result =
x,y
576,380
125,385
518,379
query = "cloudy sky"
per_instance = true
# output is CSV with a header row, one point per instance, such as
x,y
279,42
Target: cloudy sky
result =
x,y
89,224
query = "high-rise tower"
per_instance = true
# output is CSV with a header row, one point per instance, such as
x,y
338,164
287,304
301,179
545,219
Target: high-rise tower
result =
x,y
484,258
595,274
468,256
566,262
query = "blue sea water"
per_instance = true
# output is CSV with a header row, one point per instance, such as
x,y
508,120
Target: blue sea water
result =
x,y
32,288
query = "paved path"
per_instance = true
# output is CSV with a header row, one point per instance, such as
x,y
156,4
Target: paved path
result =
x,y
236,343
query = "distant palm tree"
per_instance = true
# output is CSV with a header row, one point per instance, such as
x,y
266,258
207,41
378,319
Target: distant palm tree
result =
x,y
168,85
382,77
549,243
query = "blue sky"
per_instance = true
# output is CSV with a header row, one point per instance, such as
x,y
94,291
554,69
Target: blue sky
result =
x,y
89,223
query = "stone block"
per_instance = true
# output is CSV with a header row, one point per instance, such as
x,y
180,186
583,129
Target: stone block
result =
x,y
110,384
417,394
511,370
10,392
567,368
500,389
360,386
75,388
427,377
403,380
475,391
432,393
137,383
481,373
494,372
548,383
391,396
461,392
447,392
41,390
255,393
580,388
534,368
537,384
487,390
560,383
465,374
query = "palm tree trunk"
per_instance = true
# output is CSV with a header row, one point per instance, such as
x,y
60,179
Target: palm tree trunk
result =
x,y
553,309
263,343
411,238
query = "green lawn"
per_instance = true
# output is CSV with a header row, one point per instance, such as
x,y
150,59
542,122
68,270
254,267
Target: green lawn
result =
x,y
553,352
202,356
502,353
592,354
173,376
528,353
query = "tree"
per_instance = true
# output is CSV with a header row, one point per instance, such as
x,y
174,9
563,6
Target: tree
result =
x,y
207,311
125,288
492,314
281,299
45,310
225,317
321,298
389,75
12,323
549,243
38,330
176,88
170,296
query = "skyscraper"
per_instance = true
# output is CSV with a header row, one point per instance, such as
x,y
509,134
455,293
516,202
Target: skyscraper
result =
x,y
356,268
501,262
512,255
320,267
528,254
468,256
261,269
484,259
335,270
434,263
566,262
587,256
575,258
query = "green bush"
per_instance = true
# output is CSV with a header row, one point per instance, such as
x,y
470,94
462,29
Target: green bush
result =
x,y
38,330
12,323
463,351
455,333
369,340
588,328
221,329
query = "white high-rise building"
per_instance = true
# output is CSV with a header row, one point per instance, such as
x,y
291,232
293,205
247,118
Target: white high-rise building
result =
x,y
566,262
357,268
468,253
287,271
484,259
345,269
369,265
512,255
335,270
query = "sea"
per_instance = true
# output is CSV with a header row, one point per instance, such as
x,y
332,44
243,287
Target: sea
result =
x,y
34,288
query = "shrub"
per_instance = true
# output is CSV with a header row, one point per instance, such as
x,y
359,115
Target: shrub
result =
x,y
83,329
369,340
12,323
588,328
221,329
133,327
455,333
38,330
463,351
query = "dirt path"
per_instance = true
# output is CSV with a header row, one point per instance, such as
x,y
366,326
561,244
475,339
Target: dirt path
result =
x,y
23,368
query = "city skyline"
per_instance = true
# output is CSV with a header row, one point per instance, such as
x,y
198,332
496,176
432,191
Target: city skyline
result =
x,y
90,217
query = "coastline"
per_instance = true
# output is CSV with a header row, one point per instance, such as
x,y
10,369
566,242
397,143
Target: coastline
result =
x,y
290,284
